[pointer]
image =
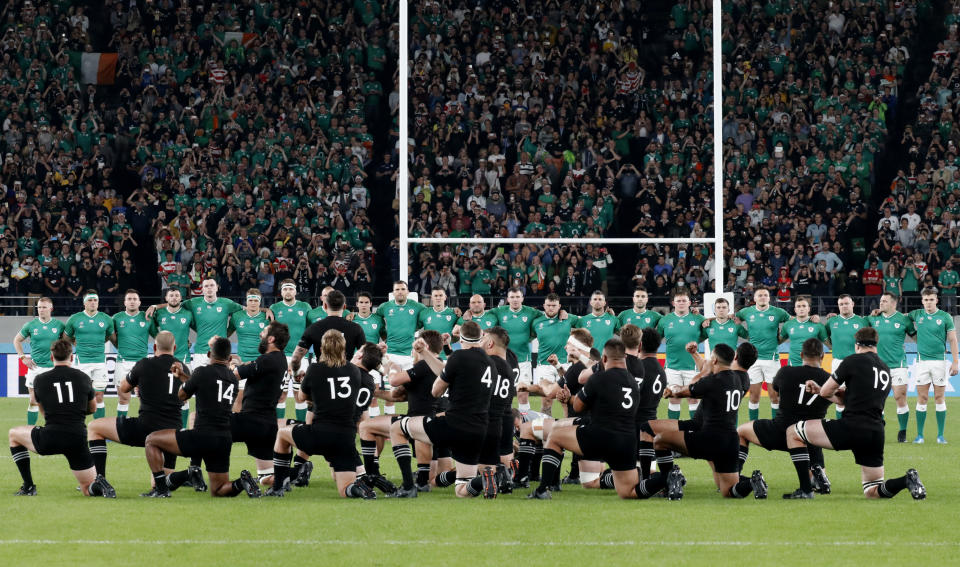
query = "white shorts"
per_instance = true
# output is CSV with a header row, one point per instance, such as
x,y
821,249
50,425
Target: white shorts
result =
x,y
121,369
405,362
763,371
899,376
934,371
526,373
198,360
97,371
835,364
679,378
537,426
546,373
33,373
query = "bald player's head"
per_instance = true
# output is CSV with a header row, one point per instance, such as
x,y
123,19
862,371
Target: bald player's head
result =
x,y
165,343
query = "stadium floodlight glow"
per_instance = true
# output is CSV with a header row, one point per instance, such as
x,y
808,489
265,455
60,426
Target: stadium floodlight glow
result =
x,y
716,240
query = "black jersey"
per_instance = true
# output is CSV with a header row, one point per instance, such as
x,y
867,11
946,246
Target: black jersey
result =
x,y
364,394
500,398
334,391
571,379
868,384
264,378
64,393
611,397
720,395
215,388
795,403
471,375
420,400
352,333
159,389
651,385
514,365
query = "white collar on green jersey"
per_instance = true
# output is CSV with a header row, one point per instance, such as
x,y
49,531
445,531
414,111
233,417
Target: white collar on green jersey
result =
x,y
717,319
762,310
209,302
888,316
846,318
517,311
797,319
95,313
290,304
129,315
639,312
440,311
925,312
679,315
179,307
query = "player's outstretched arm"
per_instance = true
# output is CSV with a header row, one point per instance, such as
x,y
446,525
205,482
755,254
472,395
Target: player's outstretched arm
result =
x,y
952,338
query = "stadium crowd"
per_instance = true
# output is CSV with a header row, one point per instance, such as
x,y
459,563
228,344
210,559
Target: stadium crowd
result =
x,y
241,141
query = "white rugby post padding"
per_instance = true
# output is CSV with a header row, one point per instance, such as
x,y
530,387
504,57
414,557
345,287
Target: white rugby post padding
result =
x,y
718,262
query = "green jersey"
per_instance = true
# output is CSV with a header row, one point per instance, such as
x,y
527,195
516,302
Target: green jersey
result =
x,y
248,329
519,326
677,331
643,319
441,321
41,336
891,332
763,327
401,322
797,332
552,334
948,278
372,325
841,332
91,334
485,321
601,327
177,322
133,334
932,329
728,333
319,312
210,319
294,316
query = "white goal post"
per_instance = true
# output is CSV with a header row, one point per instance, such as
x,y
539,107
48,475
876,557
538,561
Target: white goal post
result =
x,y
404,180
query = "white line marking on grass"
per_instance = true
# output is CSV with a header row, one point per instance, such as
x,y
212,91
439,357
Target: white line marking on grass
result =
x,y
348,543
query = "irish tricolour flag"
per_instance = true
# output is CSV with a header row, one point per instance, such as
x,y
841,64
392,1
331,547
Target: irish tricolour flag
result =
x,y
241,38
96,68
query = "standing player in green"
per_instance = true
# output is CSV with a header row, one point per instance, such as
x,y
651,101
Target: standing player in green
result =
x,y
552,334
477,313
639,315
517,319
90,330
41,332
892,328
294,314
131,338
799,328
678,328
373,330
763,325
841,329
400,315
247,324
721,328
934,328
602,325
439,317
178,321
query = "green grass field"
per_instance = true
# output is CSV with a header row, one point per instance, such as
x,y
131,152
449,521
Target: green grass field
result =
x,y
313,526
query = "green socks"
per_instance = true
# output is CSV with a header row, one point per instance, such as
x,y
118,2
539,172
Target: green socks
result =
x,y
33,414
903,418
941,418
921,418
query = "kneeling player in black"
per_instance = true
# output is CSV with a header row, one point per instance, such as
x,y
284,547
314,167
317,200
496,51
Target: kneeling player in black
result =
x,y
415,384
712,434
333,384
867,381
65,396
495,345
795,405
215,387
611,436
256,422
159,406
469,374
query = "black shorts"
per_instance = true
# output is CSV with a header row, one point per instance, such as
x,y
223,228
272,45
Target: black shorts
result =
x,y
131,431
72,445
619,450
441,453
687,425
464,444
864,439
259,433
336,445
720,447
490,451
772,435
506,435
212,448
